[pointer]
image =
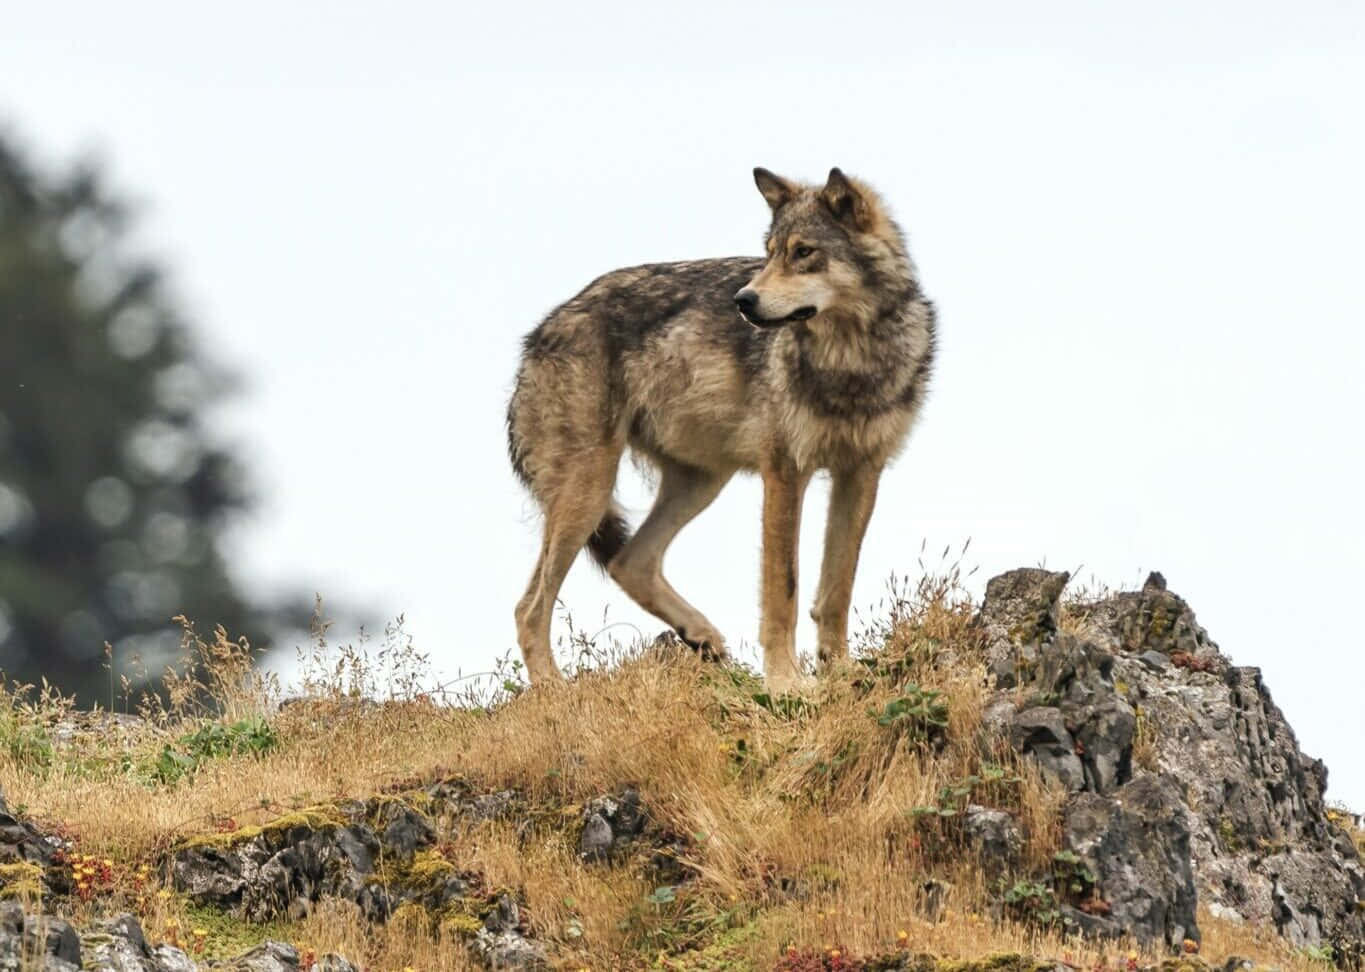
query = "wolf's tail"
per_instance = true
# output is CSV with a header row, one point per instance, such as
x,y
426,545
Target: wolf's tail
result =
x,y
611,535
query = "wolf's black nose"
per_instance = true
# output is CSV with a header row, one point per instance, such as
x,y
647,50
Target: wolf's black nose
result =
x,y
747,302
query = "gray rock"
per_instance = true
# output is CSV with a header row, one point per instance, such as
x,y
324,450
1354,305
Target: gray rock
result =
x,y
118,945
1136,844
331,962
500,944
610,823
52,936
168,958
508,950
595,844
1104,737
11,918
1153,619
1018,614
405,830
995,836
1042,733
265,957
283,871
1154,660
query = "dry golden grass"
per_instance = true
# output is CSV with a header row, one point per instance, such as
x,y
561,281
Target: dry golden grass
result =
x,y
799,817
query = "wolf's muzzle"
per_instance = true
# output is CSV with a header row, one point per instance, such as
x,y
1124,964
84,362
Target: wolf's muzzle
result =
x,y
747,302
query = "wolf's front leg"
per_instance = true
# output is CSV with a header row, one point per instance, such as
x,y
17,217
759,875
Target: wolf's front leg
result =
x,y
852,495
783,491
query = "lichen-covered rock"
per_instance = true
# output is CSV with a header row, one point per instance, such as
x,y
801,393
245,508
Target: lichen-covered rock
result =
x,y
1017,617
996,837
381,855
1137,666
36,941
118,945
27,856
1136,844
283,868
265,957
502,944
610,823
596,840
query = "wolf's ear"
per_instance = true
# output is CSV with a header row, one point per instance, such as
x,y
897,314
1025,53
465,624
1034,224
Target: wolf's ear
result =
x,y
845,201
775,189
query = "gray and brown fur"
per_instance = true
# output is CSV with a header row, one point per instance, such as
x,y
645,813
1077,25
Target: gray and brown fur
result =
x,y
815,357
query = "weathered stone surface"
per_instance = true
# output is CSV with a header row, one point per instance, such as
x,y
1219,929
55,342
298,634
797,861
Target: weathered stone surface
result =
x,y
331,962
380,855
502,943
118,945
996,837
611,823
597,838
284,869
405,829
265,957
23,842
1017,617
1041,732
1138,665
1137,845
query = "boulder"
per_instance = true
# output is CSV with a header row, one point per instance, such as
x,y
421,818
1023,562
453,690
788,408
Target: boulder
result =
x,y
1217,757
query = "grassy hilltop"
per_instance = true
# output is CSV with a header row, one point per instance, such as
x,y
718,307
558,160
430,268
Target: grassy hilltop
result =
x,y
653,812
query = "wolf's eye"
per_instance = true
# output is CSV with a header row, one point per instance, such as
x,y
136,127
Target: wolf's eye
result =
x,y
801,252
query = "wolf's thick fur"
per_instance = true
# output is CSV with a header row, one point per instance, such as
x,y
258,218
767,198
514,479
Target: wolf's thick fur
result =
x,y
816,357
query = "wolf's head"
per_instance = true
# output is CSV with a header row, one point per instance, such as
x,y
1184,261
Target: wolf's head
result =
x,y
830,248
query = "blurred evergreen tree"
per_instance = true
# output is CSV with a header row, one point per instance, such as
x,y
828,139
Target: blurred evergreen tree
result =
x,y
112,496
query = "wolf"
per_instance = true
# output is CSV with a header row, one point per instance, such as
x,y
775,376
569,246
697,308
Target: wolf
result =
x,y
814,357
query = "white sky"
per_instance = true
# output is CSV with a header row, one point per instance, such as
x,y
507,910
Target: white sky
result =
x,y
1141,223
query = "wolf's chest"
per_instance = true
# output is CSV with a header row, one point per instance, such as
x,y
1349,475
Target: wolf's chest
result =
x,y
822,441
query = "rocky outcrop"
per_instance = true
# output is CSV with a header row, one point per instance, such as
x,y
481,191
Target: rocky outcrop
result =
x,y
26,855
383,855
1186,778
32,941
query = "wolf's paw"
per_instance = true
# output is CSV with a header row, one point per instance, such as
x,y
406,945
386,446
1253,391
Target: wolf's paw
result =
x,y
710,646
790,683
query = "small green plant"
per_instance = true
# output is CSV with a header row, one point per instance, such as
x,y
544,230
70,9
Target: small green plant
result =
x,y
916,715
1032,902
251,736
1071,877
1039,902
788,708
25,713
827,772
1319,953
674,919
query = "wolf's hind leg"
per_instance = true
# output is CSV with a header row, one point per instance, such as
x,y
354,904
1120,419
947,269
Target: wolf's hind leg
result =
x,y
684,491
571,515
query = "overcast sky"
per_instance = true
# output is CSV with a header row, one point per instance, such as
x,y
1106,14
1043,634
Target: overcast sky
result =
x,y
1141,224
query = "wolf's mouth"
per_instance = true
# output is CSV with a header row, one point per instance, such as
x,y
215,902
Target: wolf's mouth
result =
x,y
800,314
